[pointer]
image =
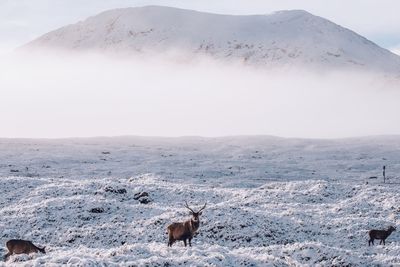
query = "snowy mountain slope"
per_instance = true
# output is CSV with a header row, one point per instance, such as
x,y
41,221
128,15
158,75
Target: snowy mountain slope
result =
x,y
286,38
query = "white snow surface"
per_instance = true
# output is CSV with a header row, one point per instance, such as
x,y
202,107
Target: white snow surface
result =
x,y
270,201
284,38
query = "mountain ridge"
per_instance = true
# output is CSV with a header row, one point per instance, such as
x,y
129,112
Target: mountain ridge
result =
x,y
282,38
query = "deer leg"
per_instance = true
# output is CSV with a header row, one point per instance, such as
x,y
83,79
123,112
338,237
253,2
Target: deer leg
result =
x,y
7,256
383,241
184,241
170,239
190,242
370,241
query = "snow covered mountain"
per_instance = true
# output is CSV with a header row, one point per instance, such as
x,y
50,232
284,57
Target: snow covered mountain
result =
x,y
293,37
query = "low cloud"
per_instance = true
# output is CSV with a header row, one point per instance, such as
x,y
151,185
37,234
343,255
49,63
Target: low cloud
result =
x,y
92,95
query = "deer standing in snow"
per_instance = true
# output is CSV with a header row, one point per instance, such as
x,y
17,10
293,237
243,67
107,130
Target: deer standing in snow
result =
x,y
17,246
185,230
380,234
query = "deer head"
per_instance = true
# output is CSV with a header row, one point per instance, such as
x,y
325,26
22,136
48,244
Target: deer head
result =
x,y
195,215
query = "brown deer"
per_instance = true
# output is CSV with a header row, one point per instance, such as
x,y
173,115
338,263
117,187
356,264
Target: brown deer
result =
x,y
185,230
17,246
380,234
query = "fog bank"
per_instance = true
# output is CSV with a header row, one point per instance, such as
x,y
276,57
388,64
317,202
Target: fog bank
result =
x,y
91,95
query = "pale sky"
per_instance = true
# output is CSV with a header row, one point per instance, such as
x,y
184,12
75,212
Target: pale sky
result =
x,y
24,20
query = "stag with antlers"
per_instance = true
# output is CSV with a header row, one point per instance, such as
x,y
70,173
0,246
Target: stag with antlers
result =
x,y
185,230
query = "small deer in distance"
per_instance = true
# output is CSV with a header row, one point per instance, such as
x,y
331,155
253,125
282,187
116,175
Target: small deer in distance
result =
x,y
17,246
380,234
185,230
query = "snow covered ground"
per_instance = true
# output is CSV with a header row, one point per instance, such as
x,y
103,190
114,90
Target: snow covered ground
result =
x,y
271,201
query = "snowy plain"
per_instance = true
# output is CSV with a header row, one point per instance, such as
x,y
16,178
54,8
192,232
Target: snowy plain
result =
x,y
271,201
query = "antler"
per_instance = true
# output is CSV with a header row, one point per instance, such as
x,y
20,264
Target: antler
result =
x,y
203,207
187,206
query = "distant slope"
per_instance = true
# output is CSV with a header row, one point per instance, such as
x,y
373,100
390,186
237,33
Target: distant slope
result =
x,y
293,37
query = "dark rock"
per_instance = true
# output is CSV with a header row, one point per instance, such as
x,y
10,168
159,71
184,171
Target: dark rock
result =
x,y
144,200
142,197
139,195
97,210
115,191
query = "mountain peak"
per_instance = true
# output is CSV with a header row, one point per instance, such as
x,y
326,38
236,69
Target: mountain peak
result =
x,y
287,37
292,13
